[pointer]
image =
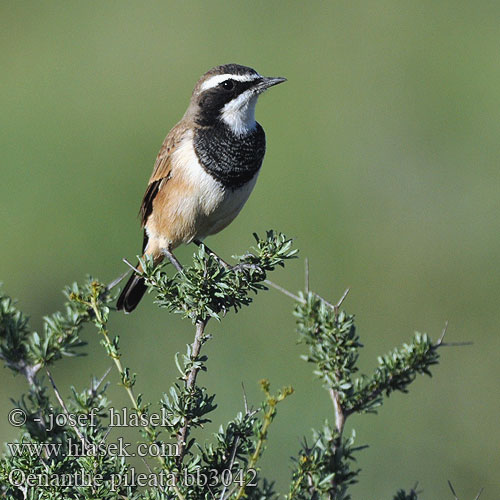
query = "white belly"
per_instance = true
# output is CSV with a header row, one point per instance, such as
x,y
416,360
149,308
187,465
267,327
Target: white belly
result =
x,y
211,205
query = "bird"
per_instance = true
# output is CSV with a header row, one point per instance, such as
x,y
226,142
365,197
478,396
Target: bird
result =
x,y
205,171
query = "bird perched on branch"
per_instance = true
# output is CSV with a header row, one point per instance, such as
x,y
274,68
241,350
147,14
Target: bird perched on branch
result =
x,y
205,170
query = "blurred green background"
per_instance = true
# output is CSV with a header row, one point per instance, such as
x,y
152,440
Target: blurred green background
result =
x,y
382,162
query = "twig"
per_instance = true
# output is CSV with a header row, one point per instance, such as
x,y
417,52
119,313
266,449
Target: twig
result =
x,y
93,388
307,274
443,333
103,440
116,281
231,463
245,400
131,266
116,359
190,382
29,371
366,400
63,404
440,342
269,413
285,291
340,413
336,307
329,304
210,252
340,416
452,490
248,413
121,371
258,449
147,465
415,488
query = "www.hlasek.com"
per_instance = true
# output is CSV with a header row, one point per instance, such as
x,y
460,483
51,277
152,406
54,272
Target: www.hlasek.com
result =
x,y
120,448
81,478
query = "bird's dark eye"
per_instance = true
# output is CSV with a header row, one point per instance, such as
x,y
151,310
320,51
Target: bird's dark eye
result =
x,y
228,85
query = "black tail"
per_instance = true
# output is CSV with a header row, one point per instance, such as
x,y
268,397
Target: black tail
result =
x,y
132,294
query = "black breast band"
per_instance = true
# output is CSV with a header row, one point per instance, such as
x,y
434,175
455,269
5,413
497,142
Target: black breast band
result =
x,y
231,159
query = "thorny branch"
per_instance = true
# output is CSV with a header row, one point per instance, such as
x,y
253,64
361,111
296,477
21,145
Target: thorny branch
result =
x,y
190,383
64,407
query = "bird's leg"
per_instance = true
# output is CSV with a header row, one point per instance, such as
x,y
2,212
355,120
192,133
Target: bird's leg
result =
x,y
222,262
173,260
244,266
213,254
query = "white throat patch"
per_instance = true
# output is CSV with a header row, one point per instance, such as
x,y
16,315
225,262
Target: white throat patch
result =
x,y
239,114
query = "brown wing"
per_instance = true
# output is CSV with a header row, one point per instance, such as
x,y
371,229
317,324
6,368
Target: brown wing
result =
x,y
161,170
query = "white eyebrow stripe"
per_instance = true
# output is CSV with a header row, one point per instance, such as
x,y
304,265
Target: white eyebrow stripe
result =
x,y
216,79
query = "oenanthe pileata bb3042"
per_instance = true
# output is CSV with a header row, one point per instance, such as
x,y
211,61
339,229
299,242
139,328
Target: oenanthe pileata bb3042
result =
x,y
206,167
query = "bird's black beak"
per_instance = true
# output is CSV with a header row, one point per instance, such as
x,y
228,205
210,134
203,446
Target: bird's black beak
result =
x,y
268,81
